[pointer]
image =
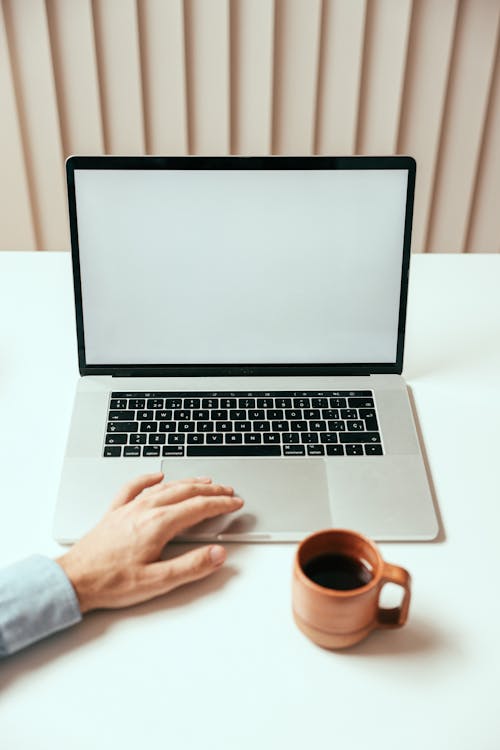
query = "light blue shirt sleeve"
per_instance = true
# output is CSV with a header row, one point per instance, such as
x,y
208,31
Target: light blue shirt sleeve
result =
x,y
36,600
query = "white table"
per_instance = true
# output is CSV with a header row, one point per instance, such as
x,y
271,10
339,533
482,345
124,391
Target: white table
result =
x,y
221,663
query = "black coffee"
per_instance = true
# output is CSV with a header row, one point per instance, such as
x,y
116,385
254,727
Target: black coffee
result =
x,y
338,572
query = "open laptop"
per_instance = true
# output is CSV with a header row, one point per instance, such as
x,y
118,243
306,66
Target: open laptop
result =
x,y
243,318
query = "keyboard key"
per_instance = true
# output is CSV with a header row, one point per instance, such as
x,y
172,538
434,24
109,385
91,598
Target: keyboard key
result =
x,y
228,403
137,439
167,427
246,403
265,403
281,426
136,403
195,439
328,437
369,417
149,426
373,450
218,414
354,450
253,437
185,426
317,426
155,403
118,403
224,426
162,415
330,413
309,437
151,450
146,415
201,414
176,439
338,403
283,403
294,450
132,451
215,438
275,414
349,413
298,426
243,426
319,403
273,437
312,414
315,450
233,450
359,437
116,439
122,427
209,403
173,403
355,426
336,425
191,403
290,437
256,414
205,426
361,403
173,450
233,437
157,438
121,416
112,451
237,414
262,426
302,403
182,415
293,414
334,450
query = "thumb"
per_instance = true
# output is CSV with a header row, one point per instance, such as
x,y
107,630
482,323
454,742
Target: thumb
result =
x,y
199,563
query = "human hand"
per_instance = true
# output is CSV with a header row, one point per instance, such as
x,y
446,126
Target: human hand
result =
x,y
118,562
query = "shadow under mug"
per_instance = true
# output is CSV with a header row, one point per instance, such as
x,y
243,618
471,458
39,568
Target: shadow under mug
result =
x,y
337,619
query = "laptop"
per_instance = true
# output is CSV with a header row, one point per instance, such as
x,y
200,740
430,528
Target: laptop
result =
x,y
244,318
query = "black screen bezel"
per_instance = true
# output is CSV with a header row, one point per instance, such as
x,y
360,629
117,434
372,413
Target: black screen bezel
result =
x,y
240,162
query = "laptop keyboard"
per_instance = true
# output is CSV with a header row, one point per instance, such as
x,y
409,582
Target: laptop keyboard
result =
x,y
278,423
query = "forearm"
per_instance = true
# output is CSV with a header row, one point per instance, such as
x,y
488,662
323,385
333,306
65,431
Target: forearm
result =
x,y
36,600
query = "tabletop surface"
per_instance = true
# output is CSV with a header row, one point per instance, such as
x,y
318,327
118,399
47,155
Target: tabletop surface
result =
x,y
220,662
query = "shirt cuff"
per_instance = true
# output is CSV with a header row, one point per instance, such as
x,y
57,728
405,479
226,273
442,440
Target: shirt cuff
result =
x,y
36,599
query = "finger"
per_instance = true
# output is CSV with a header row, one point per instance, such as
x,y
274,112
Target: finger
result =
x,y
181,492
191,566
175,483
188,480
133,488
194,510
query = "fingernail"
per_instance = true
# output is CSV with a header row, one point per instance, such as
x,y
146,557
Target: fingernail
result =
x,y
218,555
203,479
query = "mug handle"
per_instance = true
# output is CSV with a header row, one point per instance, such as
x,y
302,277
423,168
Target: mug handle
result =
x,y
394,617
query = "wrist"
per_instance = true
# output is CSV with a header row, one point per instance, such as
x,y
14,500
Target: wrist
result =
x,y
78,580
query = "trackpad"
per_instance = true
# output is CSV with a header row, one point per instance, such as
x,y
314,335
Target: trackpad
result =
x,y
282,496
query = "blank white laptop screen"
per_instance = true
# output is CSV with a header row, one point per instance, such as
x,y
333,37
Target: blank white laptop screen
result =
x,y
240,266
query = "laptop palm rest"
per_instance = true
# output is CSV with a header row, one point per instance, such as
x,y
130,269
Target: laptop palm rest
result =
x,y
282,496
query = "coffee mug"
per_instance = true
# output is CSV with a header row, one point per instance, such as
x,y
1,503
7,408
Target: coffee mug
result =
x,y
337,579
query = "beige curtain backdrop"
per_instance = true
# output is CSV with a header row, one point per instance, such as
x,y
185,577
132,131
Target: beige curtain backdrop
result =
x,y
253,77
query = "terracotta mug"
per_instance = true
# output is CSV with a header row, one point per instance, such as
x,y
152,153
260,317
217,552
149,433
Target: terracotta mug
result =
x,y
335,618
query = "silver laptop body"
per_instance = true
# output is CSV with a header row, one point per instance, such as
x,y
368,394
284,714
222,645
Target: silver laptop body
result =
x,y
243,318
